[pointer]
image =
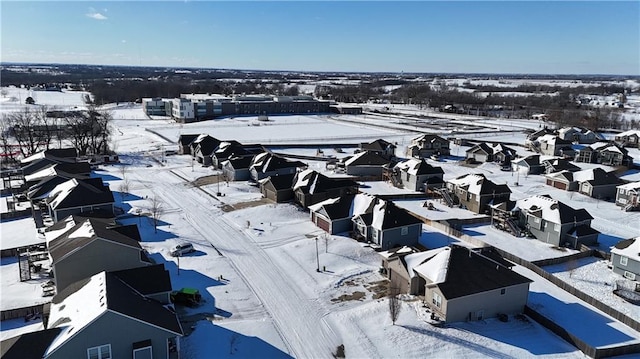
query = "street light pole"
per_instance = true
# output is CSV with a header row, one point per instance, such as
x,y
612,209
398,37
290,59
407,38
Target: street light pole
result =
x,y
317,256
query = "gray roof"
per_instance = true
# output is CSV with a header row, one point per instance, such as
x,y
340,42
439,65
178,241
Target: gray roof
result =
x,y
29,345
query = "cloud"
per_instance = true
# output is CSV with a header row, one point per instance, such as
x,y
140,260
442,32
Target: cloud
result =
x,y
96,15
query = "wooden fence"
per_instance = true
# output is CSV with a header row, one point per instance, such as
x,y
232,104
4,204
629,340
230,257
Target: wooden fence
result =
x,y
21,312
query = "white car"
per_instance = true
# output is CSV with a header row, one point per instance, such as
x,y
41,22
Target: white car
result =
x,y
180,249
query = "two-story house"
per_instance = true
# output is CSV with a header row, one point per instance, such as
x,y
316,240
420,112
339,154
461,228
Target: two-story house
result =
x,y
427,145
476,192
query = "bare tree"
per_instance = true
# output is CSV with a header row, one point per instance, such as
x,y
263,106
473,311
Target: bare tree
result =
x,y
26,131
394,305
5,140
4,92
89,131
326,237
124,188
157,210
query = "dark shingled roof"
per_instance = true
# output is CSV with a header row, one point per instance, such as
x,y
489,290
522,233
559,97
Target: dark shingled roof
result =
x,y
207,145
322,183
241,162
625,243
282,181
146,280
86,192
123,299
340,209
63,245
582,230
368,159
395,217
470,273
29,345
377,145
186,140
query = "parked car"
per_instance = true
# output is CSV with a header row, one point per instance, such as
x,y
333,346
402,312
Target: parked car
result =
x,y
181,249
186,296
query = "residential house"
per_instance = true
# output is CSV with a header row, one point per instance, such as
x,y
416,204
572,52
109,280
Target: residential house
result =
x,y
531,142
556,223
268,164
629,138
278,188
559,164
476,192
579,135
366,164
311,187
78,196
92,246
381,147
427,145
614,155
416,175
237,168
625,258
529,165
398,264
462,284
203,147
54,154
335,215
68,170
606,153
491,152
552,145
227,149
628,196
42,188
594,182
387,226
104,317
184,143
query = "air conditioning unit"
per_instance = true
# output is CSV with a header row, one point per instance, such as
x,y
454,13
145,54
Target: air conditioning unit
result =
x,y
629,275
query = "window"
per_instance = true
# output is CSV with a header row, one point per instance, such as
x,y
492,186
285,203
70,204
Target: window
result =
x,y
623,260
437,300
143,353
502,291
556,227
404,231
100,352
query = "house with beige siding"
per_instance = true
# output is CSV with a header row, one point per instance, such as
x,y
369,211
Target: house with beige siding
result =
x,y
462,284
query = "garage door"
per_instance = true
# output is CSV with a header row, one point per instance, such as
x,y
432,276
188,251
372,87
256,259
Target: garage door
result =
x,y
560,185
322,223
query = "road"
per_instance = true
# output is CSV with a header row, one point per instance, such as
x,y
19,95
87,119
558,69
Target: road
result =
x,y
298,318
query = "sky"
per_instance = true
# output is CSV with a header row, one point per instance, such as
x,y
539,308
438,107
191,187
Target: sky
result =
x,y
536,37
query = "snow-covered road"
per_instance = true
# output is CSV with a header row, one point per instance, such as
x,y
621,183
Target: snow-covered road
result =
x,y
298,317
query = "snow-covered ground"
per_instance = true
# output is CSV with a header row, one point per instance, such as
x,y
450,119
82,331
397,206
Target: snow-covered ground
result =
x,y
257,263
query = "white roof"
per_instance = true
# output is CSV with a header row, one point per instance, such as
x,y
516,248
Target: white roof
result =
x,y
629,133
33,157
317,206
45,172
632,185
78,310
435,269
632,251
362,203
474,182
303,178
417,259
401,250
550,212
410,166
61,191
50,235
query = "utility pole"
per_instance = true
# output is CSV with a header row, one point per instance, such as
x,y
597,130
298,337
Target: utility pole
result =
x,y
317,257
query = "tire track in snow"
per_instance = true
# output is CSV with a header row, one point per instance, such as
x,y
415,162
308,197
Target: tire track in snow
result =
x,y
299,320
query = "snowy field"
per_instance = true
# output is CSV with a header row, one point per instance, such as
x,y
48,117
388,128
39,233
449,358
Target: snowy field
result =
x,y
256,263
